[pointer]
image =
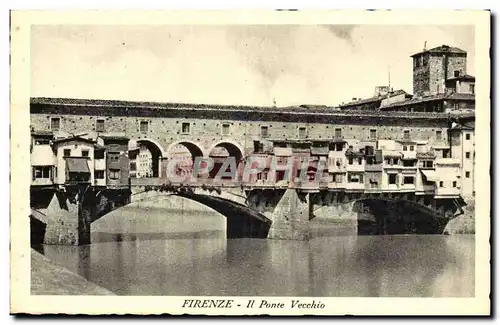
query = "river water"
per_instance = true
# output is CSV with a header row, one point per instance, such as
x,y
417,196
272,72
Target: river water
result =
x,y
156,251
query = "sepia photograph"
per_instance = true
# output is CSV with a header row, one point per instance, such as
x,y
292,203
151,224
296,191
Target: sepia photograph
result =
x,y
242,165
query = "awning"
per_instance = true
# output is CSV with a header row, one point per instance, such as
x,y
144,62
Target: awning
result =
x,y
430,175
440,146
392,153
409,155
77,165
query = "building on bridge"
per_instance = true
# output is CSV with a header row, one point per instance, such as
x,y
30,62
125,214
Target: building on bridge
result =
x,y
395,145
43,161
419,150
440,84
144,162
63,159
117,160
75,161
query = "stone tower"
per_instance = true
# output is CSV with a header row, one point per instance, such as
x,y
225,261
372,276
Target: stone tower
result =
x,y
431,69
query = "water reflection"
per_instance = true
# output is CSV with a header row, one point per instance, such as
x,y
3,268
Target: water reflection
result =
x,y
188,254
406,266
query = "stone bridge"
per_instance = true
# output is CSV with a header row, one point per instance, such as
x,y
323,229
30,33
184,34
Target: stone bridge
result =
x,y
250,212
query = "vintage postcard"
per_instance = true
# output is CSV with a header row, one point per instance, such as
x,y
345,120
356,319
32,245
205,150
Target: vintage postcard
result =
x,y
250,162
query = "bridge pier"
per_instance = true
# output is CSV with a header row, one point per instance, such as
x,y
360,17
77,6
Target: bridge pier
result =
x,y
291,217
69,215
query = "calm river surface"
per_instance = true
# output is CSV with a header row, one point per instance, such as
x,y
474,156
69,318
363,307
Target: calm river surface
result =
x,y
160,252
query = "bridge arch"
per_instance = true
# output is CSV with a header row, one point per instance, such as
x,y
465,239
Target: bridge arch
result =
x,y
149,157
242,222
153,142
396,213
222,150
193,147
385,216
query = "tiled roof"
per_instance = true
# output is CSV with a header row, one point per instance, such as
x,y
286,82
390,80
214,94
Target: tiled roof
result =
x,y
363,101
374,99
442,49
42,133
113,137
464,77
459,96
77,138
292,110
417,100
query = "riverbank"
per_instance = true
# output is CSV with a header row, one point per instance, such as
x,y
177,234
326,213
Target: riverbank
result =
x,y
50,279
465,223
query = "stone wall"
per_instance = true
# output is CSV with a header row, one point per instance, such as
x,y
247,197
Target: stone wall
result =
x,y
206,133
463,224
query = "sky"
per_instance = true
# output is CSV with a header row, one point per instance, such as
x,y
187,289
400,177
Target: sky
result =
x,y
232,64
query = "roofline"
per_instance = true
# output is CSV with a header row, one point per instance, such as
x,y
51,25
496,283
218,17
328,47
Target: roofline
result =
x,y
416,100
390,94
113,137
436,50
328,111
42,133
467,77
74,138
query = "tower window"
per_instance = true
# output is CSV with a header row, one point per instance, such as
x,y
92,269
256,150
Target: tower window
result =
x,y
55,123
467,174
427,164
114,173
99,154
186,127
456,73
264,131
408,180
144,126
99,126
302,132
392,179
373,134
225,128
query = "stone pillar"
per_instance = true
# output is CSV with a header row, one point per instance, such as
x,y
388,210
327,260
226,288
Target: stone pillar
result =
x,y
68,220
291,217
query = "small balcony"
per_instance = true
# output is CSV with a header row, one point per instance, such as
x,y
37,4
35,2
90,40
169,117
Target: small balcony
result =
x,y
355,167
283,152
373,168
99,164
447,192
447,162
334,185
146,181
42,182
336,168
320,151
355,186
425,153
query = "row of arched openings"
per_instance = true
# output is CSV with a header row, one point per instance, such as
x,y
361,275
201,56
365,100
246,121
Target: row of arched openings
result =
x,y
185,152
